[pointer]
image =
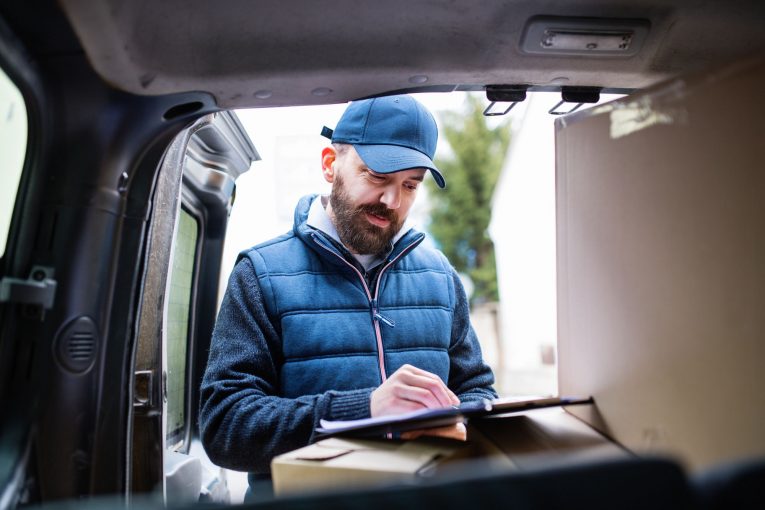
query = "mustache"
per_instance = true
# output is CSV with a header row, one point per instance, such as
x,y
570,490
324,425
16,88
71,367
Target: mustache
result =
x,y
379,210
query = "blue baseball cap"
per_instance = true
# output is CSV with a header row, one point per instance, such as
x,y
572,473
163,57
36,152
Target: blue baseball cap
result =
x,y
390,134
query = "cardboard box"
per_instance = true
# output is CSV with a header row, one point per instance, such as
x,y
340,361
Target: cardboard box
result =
x,y
515,441
537,438
661,272
336,463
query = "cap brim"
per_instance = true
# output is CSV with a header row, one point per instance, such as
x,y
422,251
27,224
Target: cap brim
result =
x,y
386,159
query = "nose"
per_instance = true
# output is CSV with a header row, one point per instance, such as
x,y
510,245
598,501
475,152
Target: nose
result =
x,y
391,197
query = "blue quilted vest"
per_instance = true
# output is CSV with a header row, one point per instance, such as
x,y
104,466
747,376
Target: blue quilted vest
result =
x,y
339,334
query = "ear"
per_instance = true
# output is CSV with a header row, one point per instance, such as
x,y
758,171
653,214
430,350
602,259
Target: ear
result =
x,y
328,158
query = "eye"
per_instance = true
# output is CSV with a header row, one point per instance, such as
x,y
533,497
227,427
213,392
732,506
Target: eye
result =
x,y
375,177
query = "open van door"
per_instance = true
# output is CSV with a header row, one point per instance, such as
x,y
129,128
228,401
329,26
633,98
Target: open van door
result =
x,y
193,197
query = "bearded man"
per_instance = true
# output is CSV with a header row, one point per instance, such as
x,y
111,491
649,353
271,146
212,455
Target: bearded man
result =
x,y
348,316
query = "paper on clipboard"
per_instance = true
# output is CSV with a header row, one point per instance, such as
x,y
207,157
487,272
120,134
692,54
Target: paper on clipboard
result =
x,y
440,417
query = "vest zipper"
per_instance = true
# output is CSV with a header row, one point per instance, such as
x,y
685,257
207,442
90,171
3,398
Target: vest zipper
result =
x,y
375,313
377,317
380,317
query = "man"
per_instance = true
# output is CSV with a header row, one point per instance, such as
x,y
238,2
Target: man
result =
x,y
347,316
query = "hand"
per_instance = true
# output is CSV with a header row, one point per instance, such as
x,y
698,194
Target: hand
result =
x,y
410,389
456,431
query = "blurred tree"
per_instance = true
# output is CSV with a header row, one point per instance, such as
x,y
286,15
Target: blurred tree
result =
x,y
460,213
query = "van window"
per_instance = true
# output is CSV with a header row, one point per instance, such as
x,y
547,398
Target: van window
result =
x,y
177,325
13,145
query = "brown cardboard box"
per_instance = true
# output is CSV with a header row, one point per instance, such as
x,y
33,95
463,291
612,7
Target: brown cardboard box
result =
x,y
514,441
341,463
536,438
661,265
336,463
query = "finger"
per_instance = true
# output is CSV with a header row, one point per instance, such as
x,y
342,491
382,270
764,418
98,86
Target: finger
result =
x,y
417,394
412,370
456,431
454,399
435,386
411,434
403,406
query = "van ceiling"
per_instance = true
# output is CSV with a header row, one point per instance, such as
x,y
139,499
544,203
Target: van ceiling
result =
x,y
281,52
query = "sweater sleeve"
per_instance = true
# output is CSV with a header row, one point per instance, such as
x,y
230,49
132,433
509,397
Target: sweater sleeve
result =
x,y
243,421
469,377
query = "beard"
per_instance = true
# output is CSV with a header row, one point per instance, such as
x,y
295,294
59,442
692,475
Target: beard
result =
x,y
353,228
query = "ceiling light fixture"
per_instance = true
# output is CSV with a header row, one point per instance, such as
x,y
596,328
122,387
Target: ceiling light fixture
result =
x,y
601,37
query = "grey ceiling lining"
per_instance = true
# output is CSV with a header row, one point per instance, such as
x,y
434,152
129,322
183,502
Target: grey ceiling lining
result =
x,y
342,50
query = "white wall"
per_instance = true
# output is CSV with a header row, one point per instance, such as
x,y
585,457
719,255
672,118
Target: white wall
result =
x,y
523,230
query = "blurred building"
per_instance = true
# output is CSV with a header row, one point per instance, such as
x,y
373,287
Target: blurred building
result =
x,y
523,230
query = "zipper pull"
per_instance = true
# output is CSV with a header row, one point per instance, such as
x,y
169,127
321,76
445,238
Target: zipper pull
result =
x,y
376,315
384,320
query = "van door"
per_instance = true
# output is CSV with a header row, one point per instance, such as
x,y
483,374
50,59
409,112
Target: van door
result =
x,y
193,197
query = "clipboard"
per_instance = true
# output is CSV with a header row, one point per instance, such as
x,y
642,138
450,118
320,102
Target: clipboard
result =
x,y
439,417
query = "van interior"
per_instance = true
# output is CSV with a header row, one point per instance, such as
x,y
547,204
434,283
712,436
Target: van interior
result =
x,y
119,157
